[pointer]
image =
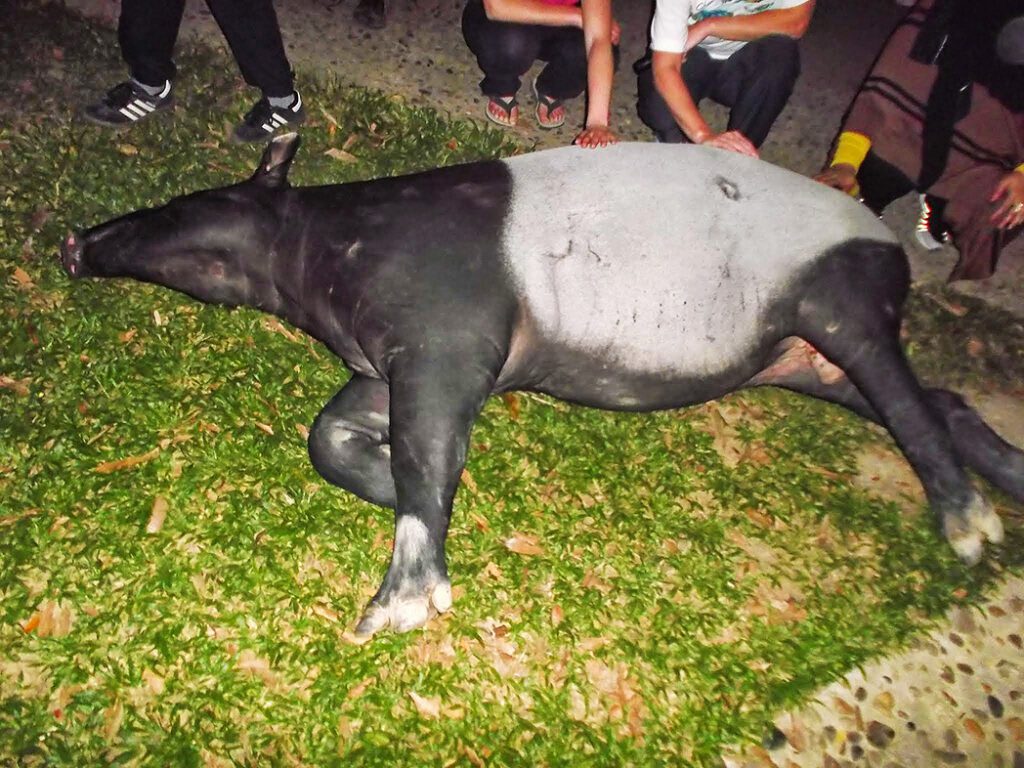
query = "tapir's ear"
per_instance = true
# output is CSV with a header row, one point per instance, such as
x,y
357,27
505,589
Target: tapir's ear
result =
x,y
277,159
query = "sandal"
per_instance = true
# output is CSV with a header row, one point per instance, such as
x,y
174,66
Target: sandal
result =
x,y
506,104
550,104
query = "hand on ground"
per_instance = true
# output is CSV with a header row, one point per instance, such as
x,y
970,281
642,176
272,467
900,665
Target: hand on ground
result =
x,y
596,136
842,177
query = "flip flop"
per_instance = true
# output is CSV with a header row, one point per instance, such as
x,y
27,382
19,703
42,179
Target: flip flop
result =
x,y
550,104
506,104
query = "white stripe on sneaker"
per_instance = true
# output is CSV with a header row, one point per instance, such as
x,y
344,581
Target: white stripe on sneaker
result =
x,y
134,109
144,104
128,113
268,128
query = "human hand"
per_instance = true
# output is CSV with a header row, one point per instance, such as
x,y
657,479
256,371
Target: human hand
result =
x,y
1010,212
842,177
734,141
596,136
616,32
695,34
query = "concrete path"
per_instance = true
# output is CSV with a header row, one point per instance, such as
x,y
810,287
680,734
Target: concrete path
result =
x,y
956,697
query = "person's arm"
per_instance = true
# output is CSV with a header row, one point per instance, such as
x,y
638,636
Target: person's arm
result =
x,y
533,12
792,22
598,33
851,149
666,67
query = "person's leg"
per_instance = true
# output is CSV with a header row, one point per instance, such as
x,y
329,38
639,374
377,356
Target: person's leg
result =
x,y
504,51
881,182
254,36
699,73
146,33
565,74
756,83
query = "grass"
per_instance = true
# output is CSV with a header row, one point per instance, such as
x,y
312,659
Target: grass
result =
x,y
641,590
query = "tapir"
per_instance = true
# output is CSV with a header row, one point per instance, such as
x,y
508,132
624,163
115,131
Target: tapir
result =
x,y
636,277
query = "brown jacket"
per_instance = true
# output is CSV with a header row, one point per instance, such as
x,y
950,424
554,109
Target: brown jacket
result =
x,y
987,143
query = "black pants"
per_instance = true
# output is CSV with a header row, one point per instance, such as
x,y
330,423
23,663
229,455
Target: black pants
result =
x,y
505,51
148,30
881,183
755,82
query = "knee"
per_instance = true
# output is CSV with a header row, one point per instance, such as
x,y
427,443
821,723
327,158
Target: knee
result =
x,y
780,60
329,444
508,51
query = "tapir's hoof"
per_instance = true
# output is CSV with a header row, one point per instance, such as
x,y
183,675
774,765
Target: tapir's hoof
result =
x,y
967,531
404,613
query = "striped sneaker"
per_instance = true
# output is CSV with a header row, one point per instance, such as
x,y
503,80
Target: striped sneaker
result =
x,y
127,103
263,120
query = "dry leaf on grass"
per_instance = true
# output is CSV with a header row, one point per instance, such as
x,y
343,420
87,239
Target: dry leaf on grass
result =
x,y
523,544
429,707
50,620
468,481
17,386
157,515
130,461
22,279
341,155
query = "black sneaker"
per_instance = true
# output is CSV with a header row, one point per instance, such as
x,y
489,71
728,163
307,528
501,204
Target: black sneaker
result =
x,y
127,103
263,120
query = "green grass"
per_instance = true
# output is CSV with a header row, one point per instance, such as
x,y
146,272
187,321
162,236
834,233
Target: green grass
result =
x,y
676,601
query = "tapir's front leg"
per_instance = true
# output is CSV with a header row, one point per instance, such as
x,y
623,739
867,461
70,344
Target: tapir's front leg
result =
x,y
434,402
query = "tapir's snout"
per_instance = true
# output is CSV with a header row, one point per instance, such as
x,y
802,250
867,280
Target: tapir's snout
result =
x,y
72,252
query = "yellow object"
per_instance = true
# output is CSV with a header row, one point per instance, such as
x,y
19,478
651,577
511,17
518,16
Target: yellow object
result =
x,y
851,149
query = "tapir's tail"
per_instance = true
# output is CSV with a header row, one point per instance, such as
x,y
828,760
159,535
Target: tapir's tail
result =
x,y
977,445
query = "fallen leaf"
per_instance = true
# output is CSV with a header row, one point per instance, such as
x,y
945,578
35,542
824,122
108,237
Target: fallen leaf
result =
x,y
303,430
468,481
512,405
22,278
153,681
128,149
557,615
112,466
326,613
16,386
157,515
429,707
264,427
341,155
523,544
113,716
128,335
975,348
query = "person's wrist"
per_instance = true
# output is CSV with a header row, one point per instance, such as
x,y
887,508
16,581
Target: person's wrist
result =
x,y
700,135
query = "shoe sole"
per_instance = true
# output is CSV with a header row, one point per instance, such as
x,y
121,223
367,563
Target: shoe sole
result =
x,y
158,111
291,125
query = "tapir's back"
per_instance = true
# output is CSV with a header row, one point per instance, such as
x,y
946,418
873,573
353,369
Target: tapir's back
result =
x,y
629,248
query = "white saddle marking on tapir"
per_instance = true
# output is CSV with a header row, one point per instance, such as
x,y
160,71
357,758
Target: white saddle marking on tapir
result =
x,y
663,258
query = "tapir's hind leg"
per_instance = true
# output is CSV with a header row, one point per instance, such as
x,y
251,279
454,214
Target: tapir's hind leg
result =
x,y
349,441
851,313
976,444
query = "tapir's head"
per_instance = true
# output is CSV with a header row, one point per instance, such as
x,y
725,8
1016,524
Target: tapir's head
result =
x,y
213,245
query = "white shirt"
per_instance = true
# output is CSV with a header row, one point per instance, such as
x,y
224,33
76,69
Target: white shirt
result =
x,y
672,19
